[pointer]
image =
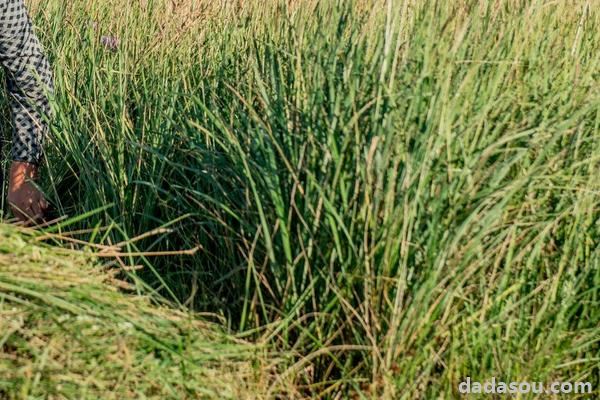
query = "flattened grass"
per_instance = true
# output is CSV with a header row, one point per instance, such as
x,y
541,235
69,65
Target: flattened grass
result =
x,y
66,331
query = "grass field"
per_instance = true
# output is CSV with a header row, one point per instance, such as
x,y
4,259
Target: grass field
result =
x,y
385,196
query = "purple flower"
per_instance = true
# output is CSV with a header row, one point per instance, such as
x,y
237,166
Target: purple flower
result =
x,y
110,42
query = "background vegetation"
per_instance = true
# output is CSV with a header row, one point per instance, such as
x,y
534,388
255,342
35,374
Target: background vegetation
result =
x,y
391,195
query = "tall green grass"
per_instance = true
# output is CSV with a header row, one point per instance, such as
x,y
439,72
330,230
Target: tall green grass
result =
x,y
397,194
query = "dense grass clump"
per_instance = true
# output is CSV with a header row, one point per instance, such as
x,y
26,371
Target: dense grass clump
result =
x,y
396,196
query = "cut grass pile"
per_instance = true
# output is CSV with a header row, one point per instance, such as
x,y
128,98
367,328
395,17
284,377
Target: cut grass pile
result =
x,y
67,332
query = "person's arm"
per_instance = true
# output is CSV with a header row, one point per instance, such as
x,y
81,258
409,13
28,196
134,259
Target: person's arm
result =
x,y
29,79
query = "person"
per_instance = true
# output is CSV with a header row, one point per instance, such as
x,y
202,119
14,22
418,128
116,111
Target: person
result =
x,y
28,82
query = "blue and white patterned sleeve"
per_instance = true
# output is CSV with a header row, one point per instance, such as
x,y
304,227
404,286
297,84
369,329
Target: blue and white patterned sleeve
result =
x,y
28,79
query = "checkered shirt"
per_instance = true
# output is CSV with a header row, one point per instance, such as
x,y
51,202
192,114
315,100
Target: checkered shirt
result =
x,y
28,80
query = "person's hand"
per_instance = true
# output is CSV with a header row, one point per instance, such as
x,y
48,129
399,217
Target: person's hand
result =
x,y
26,201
